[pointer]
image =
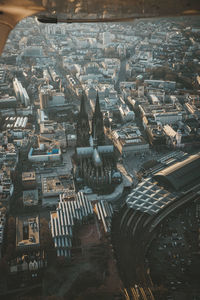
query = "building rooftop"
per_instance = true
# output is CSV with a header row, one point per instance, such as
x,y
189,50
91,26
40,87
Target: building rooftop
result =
x,y
148,197
27,176
63,220
55,185
157,191
27,231
180,174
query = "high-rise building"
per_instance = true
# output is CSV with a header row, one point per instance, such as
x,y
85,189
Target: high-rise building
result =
x,y
44,98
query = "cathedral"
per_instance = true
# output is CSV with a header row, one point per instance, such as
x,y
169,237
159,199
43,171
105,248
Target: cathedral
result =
x,y
83,127
95,162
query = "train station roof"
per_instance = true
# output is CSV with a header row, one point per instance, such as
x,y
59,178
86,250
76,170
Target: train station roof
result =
x,y
180,174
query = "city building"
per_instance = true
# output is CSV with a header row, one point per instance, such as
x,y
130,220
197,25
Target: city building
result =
x,y
168,117
2,227
6,186
40,155
7,101
156,135
29,180
27,233
95,162
104,212
21,92
67,214
53,186
129,139
163,192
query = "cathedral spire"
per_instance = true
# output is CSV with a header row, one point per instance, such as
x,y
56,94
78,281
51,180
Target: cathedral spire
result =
x,y
97,105
83,126
97,124
82,106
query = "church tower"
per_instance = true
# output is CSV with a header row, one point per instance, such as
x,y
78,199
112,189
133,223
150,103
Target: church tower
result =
x,y
97,124
83,127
